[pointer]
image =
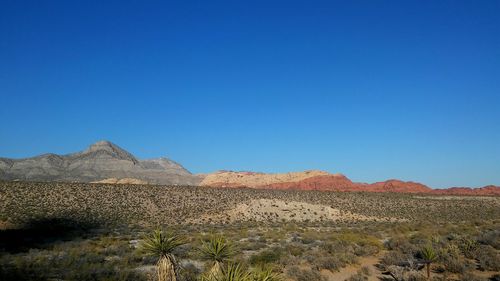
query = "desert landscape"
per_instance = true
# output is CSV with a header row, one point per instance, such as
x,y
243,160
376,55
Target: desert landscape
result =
x,y
94,231
250,140
300,226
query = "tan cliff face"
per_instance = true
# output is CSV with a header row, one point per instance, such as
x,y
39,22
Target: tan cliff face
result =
x,y
252,179
324,181
307,180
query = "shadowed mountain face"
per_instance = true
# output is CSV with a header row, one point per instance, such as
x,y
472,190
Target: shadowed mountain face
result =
x,y
102,160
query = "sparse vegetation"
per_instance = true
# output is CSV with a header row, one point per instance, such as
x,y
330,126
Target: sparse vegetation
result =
x,y
97,232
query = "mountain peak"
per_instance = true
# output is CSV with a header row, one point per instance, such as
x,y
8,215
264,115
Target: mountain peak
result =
x,y
112,149
101,145
102,160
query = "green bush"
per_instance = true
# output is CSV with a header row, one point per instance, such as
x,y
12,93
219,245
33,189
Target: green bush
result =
x,y
265,257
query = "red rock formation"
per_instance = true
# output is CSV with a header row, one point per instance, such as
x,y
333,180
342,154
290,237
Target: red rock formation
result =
x,y
486,190
317,180
398,186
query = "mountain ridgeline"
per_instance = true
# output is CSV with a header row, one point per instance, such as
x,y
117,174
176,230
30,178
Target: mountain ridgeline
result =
x,y
101,161
105,162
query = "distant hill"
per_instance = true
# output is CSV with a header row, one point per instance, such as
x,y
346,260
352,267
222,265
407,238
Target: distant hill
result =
x,y
319,180
100,162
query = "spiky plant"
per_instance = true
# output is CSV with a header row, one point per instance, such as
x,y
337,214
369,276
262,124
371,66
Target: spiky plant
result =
x,y
428,256
233,272
218,251
265,274
161,244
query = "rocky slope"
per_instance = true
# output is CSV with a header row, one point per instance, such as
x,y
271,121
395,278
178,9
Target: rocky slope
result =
x,y
101,161
319,180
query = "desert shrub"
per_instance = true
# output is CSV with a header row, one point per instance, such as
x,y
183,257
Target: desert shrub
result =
x,y
452,261
420,239
401,244
361,275
252,246
453,264
491,237
289,260
358,277
268,256
331,263
405,274
488,258
414,276
294,250
395,258
360,239
471,277
366,271
45,264
338,246
366,250
468,247
304,274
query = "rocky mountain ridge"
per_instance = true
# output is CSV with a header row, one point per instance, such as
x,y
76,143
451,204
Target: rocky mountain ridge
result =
x,y
107,163
101,161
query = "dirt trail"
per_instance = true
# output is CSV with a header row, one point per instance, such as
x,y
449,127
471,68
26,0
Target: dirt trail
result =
x,y
350,270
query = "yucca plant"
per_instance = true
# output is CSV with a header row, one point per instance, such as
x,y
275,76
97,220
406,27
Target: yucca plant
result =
x,y
265,274
161,244
429,256
218,251
233,272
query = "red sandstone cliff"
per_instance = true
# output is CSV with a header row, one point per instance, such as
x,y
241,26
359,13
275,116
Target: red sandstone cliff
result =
x,y
319,180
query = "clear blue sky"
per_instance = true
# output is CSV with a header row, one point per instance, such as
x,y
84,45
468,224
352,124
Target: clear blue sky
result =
x,y
371,89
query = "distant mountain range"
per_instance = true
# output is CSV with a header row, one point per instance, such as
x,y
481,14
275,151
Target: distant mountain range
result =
x,y
105,162
101,161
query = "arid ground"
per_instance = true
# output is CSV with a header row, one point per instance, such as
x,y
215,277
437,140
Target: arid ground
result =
x,y
74,231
